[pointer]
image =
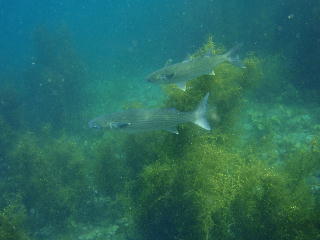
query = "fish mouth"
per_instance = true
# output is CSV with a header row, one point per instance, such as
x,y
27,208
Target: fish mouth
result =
x,y
149,79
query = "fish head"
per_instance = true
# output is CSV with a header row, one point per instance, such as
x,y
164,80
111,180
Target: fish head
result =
x,y
108,123
161,77
94,124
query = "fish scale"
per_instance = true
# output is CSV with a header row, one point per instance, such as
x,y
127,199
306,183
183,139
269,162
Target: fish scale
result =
x,y
182,72
152,119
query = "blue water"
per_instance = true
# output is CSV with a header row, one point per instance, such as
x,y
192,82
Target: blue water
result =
x,y
63,63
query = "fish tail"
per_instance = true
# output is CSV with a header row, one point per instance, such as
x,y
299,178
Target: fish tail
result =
x,y
234,58
200,114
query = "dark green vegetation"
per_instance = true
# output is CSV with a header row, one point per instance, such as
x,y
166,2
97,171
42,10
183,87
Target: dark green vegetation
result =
x,y
55,82
202,186
231,183
11,221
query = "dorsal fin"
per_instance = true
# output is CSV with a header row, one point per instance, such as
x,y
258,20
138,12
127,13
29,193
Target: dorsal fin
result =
x,y
208,53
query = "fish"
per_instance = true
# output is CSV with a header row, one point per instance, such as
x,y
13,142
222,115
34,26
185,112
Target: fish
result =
x,y
182,72
137,120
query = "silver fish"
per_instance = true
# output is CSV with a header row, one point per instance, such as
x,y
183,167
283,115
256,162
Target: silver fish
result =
x,y
180,73
152,119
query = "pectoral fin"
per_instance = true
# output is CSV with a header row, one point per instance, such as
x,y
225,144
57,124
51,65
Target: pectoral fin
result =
x,y
182,85
200,114
212,73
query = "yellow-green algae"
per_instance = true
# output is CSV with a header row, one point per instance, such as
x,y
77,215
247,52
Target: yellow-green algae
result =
x,y
50,177
12,221
211,192
195,185
200,186
56,81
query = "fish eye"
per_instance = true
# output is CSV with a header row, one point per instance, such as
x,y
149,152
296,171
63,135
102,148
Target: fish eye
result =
x,y
170,75
93,124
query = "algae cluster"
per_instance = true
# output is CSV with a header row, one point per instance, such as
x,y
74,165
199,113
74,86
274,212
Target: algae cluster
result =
x,y
222,184
56,81
205,186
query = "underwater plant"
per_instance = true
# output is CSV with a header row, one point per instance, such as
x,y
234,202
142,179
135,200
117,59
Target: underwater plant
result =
x,y
50,176
109,166
204,185
10,105
12,221
209,47
228,89
212,192
56,81
7,136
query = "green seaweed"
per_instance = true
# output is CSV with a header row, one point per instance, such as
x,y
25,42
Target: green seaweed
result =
x,y
210,46
214,193
12,221
6,136
56,81
51,178
197,184
201,185
10,105
109,166
228,89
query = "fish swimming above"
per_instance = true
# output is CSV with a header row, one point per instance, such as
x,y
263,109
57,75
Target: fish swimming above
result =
x,y
180,73
137,120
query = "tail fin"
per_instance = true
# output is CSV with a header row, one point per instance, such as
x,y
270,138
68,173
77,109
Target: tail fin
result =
x,y
234,59
200,114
